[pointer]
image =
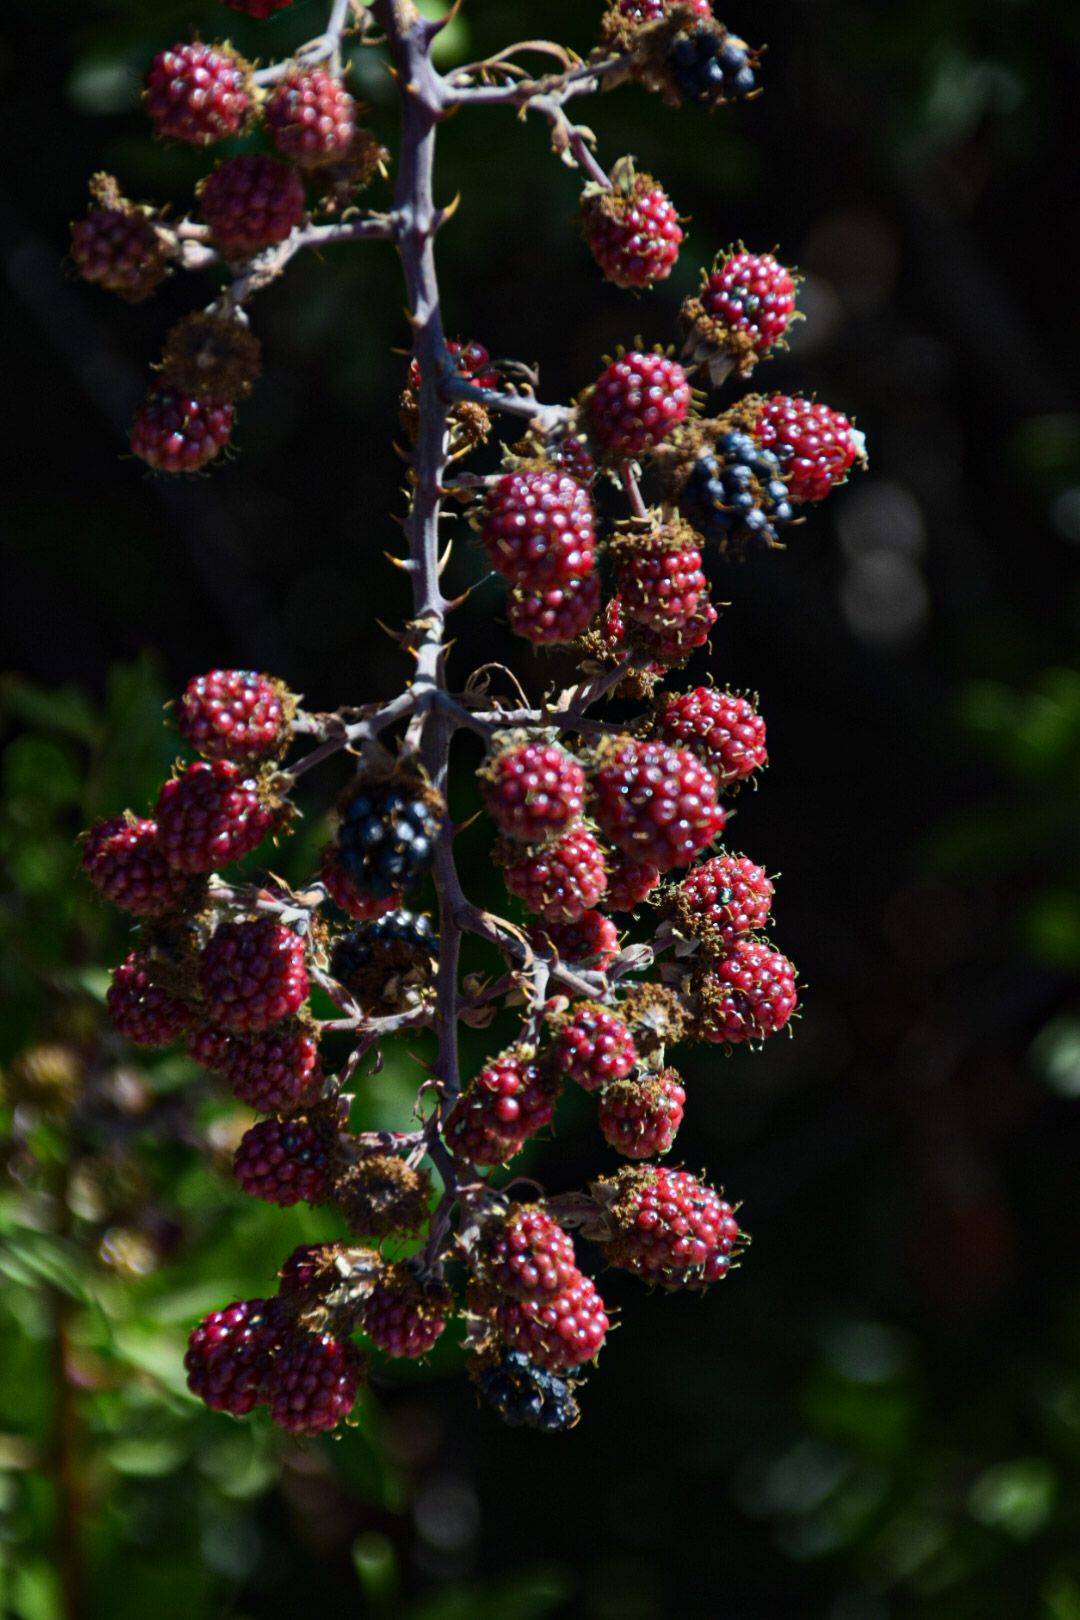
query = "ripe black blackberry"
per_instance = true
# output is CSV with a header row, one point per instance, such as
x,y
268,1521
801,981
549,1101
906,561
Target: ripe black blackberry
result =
x,y
523,1395
712,66
386,840
734,494
387,962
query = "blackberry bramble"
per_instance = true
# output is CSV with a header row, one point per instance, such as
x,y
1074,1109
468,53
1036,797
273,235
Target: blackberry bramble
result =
x,y
290,994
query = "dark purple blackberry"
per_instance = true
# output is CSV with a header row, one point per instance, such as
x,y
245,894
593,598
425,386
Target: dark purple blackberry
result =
x,y
711,66
735,496
524,1395
386,840
388,961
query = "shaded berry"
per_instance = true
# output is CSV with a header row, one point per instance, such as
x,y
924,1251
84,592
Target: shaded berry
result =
x,y
524,1395
631,227
346,894
555,614
234,714
538,527
123,862
591,940
722,728
635,404
511,1099
116,245
404,1316
250,202
284,1161
640,1118
140,1009
311,117
723,900
629,882
657,804
197,93
382,1196
177,433
558,880
815,446
211,357
744,996
557,1333
313,1383
532,790
229,1354
525,1253
593,1046
306,1265
668,1227
274,1072
388,962
252,975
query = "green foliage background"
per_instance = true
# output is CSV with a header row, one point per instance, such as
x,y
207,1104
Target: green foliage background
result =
x,y
879,1416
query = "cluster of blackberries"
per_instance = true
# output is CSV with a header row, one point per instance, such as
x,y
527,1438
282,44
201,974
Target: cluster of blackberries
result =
x,y
734,495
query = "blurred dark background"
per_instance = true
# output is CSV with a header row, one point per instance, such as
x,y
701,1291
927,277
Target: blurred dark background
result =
x,y
879,1415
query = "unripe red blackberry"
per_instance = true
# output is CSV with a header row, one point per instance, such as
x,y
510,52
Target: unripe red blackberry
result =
x,y
570,455
211,814
275,1072
658,804
659,575
116,245
593,1046
631,227
285,1162
123,862
815,445
673,645
592,940
525,1253
198,93
258,8
346,894
313,1382
404,1316
385,841
229,1354
667,1226
310,117
558,880
743,310
538,527
532,789
629,882
635,404
723,900
252,975
251,202
511,1099
210,1047
555,614
235,714
722,728
640,1118
521,1394
140,1009
747,995
557,1333
177,433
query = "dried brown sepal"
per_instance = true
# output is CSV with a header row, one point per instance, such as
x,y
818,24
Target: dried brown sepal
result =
x,y
655,1018
212,357
381,1196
